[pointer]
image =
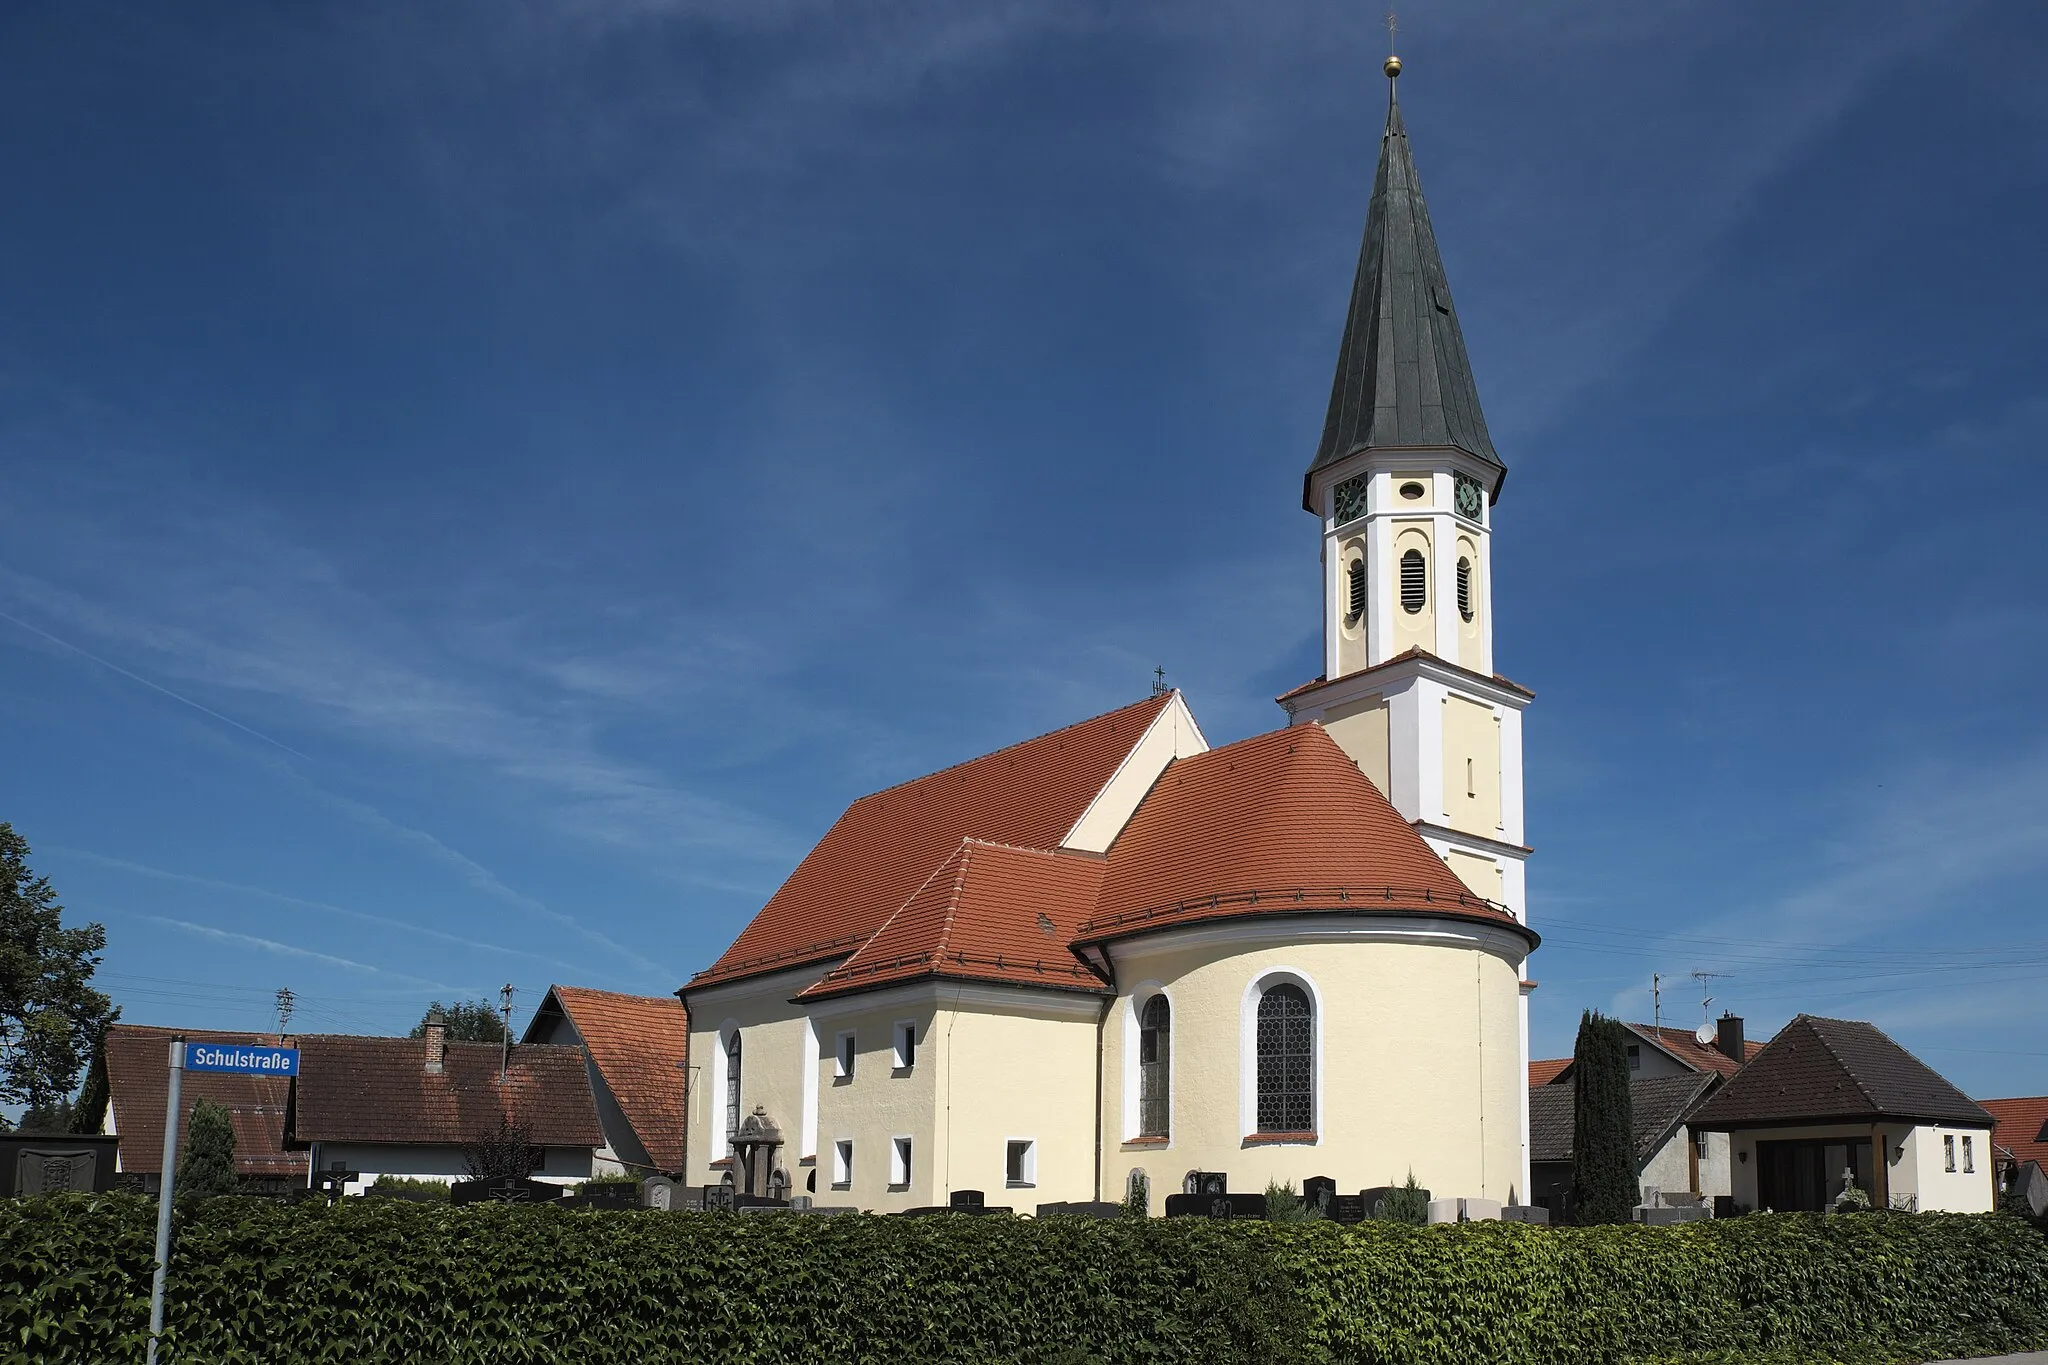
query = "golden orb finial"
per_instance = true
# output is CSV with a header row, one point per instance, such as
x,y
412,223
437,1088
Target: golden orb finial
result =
x,y
1392,67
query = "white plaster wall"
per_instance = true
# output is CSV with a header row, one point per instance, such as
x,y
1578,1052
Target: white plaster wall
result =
x,y
560,1166
879,1102
1940,1189
1172,734
776,1045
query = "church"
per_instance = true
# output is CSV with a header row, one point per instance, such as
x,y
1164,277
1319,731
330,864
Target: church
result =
x,y
1092,963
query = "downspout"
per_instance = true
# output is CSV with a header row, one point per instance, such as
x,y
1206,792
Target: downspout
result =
x,y
1101,1027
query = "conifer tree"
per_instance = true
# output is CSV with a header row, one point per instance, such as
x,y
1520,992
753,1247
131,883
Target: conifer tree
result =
x,y
207,1166
1604,1186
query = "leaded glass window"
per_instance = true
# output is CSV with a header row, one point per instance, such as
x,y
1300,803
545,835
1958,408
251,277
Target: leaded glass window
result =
x,y
732,1083
1287,1080
1155,1067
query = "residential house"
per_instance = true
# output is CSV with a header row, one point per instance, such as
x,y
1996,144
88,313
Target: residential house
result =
x,y
131,1069
1830,1100
635,1048
411,1106
1655,1052
2021,1140
1670,1158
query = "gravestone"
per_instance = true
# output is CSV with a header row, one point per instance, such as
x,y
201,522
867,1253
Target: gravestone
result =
x,y
1087,1208
1347,1209
1479,1210
963,1200
1317,1191
1524,1213
659,1192
1216,1206
721,1196
506,1189
1665,1217
610,1195
1205,1182
56,1163
1444,1210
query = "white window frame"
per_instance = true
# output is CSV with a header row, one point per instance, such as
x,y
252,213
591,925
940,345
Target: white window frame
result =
x,y
1969,1157
845,1049
1948,1151
1027,1168
842,1163
1134,1015
721,1141
1248,1048
903,1037
902,1161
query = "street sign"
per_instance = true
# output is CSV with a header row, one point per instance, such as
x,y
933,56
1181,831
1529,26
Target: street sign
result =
x,y
241,1060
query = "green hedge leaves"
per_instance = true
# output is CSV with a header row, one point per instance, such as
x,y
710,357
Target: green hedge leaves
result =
x,y
389,1281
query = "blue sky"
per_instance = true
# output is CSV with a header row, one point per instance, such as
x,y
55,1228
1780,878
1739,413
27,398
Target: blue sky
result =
x,y
485,484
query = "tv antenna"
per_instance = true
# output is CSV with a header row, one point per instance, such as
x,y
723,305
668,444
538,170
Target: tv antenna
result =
x,y
1706,1015
505,1009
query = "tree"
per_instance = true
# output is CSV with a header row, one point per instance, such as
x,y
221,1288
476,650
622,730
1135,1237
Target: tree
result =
x,y
469,1021
50,1118
1604,1186
1407,1203
207,1165
1284,1205
506,1152
50,1016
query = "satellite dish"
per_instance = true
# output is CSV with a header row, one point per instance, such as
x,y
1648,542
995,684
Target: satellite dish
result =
x,y
1705,1035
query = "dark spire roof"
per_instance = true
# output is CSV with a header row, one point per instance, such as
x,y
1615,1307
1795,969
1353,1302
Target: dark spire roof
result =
x,y
1402,375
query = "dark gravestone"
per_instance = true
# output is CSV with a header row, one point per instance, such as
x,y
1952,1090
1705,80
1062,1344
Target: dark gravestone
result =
x,y
1524,1213
1317,1191
1347,1209
1373,1196
965,1199
509,1189
970,1210
1724,1206
720,1196
606,1196
56,1163
1082,1209
1215,1206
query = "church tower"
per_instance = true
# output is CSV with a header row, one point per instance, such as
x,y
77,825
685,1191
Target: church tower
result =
x,y
1405,483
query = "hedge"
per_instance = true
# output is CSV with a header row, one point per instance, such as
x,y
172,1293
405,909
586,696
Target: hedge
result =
x,y
385,1280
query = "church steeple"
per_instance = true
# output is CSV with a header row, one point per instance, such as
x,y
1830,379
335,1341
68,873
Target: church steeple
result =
x,y
1403,378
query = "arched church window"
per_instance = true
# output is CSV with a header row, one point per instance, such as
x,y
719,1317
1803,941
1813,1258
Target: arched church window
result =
x,y
1155,1067
1414,582
1357,573
1286,1043
732,1083
1464,587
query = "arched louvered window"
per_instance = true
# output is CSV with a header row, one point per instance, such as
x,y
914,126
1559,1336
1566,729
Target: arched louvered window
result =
x,y
1287,1066
1464,587
732,1083
1155,1068
1414,582
1357,573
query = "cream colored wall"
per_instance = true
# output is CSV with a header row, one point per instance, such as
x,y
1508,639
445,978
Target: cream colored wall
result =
x,y
1940,1189
1360,729
1420,1066
879,1103
774,1048
1411,629
1014,1071
1471,636
1352,635
1481,875
1471,767
1172,734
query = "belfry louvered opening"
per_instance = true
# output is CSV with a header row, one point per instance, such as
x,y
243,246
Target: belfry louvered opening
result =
x,y
1414,582
1464,587
1357,576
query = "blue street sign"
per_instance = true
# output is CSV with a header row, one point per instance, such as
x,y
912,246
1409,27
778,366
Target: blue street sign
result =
x,y
242,1060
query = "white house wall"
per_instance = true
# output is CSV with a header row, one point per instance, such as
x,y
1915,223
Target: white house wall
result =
x,y
559,1166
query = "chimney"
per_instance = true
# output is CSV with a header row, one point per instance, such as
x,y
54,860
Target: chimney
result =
x,y
1729,1039
437,1040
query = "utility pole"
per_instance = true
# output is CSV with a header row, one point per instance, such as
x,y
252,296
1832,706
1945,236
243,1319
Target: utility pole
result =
x,y
285,1001
1656,1001
505,1008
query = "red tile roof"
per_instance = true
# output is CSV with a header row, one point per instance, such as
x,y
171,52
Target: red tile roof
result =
x,y
887,845
990,912
1282,822
138,1072
352,1089
2022,1126
639,1044
1685,1045
1543,1073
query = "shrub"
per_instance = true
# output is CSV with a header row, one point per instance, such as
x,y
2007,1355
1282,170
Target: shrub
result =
x,y
207,1165
406,1185
1283,1205
1408,1203
379,1281
1604,1185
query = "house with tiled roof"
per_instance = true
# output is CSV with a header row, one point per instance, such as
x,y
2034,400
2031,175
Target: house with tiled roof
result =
x,y
635,1048
1670,1158
412,1107
1832,1101
1105,958
131,1069
1657,1051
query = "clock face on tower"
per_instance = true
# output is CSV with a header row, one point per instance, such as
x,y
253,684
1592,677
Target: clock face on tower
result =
x,y
1351,499
1471,498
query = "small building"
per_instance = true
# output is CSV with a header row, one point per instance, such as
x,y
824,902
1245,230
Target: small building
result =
x,y
1670,1158
2021,1145
635,1048
1830,1100
131,1071
411,1107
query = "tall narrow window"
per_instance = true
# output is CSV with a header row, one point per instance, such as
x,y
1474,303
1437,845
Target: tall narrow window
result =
x,y
1969,1160
1414,582
842,1163
1155,1067
1948,1148
732,1083
906,1045
1357,574
899,1162
1464,587
1287,1080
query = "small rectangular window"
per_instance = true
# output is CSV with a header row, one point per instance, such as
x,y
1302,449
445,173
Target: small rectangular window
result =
x,y
1969,1160
1635,1057
1020,1163
842,1163
1699,1145
906,1045
843,1053
1948,1150
899,1163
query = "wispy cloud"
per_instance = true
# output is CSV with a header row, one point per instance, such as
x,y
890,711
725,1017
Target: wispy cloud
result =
x,y
270,945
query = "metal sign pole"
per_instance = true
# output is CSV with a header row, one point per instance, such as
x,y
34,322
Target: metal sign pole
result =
x,y
163,1198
